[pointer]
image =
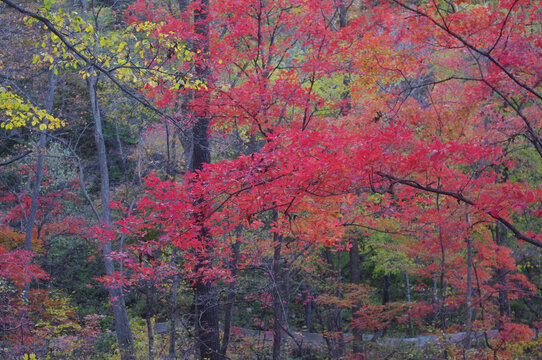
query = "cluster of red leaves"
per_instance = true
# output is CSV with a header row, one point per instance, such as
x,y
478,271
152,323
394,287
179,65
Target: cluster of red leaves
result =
x,y
16,265
20,310
373,318
416,163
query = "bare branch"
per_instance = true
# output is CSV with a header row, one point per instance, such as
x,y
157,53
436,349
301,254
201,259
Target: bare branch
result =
x,y
15,158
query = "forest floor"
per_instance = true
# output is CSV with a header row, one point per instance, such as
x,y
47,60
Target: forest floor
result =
x,y
319,340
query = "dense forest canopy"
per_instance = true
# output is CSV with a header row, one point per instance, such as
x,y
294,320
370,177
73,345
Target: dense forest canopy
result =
x,y
270,179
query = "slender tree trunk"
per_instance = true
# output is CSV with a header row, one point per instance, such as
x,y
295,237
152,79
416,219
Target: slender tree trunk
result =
x,y
442,307
172,153
407,286
121,150
323,324
42,144
279,320
386,290
435,301
468,320
173,309
338,312
230,298
39,165
308,308
355,278
504,301
442,283
285,277
122,325
342,9
149,299
308,316
334,318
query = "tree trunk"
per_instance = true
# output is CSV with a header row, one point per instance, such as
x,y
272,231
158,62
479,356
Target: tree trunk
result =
x,y
308,310
342,9
39,165
442,307
442,283
279,318
149,299
334,318
230,298
338,312
435,301
355,278
468,320
407,285
206,321
122,325
386,290
504,301
173,309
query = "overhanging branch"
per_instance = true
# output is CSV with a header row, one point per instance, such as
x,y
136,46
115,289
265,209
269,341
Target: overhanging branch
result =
x,y
459,197
89,62
15,158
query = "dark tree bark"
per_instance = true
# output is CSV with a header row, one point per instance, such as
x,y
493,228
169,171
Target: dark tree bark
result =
x,y
407,286
206,320
206,304
386,289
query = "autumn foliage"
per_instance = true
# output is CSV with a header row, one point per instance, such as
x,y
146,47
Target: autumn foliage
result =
x,y
406,135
